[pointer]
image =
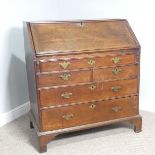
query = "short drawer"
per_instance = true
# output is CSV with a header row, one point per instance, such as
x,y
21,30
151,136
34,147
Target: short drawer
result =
x,y
87,92
113,73
64,78
106,59
76,115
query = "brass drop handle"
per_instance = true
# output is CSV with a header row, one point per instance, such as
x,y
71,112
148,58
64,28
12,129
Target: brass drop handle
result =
x,y
92,86
68,116
116,71
116,60
91,62
64,64
116,108
92,106
66,95
65,76
116,89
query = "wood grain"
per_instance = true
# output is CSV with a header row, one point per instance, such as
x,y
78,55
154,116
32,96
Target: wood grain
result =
x,y
74,77
82,36
52,64
53,119
113,73
31,72
82,93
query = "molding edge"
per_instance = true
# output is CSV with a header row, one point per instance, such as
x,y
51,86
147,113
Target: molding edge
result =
x,y
14,113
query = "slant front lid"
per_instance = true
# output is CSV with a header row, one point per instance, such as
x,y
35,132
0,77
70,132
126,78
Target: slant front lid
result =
x,y
76,36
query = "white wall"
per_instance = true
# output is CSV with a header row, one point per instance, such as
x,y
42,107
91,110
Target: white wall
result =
x,y
13,82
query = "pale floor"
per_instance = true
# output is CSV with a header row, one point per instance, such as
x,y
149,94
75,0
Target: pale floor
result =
x,y
16,138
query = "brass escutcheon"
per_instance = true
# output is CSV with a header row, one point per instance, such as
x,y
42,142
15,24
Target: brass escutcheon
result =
x,y
116,89
92,106
65,76
116,60
64,64
116,71
68,116
66,95
92,86
116,108
122,51
91,62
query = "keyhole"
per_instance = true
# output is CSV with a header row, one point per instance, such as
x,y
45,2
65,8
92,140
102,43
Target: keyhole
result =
x,y
81,24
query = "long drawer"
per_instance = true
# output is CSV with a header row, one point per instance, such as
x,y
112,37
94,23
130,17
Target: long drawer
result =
x,y
87,92
86,76
76,115
108,59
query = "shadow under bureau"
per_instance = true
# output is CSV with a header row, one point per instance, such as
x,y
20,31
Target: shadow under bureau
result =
x,y
81,74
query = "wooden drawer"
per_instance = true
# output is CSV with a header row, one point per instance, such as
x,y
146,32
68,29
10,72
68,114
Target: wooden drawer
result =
x,y
87,92
85,76
64,78
113,73
76,115
108,59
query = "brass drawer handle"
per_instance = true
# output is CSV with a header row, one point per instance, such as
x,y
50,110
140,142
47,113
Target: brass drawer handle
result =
x,y
116,71
116,89
66,95
91,62
64,64
68,116
92,106
116,60
116,108
65,76
92,87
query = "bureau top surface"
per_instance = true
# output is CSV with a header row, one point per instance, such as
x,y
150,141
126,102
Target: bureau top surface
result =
x,y
76,36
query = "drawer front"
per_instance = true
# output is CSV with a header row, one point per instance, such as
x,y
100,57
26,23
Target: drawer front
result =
x,y
113,73
87,92
64,78
76,115
51,119
49,65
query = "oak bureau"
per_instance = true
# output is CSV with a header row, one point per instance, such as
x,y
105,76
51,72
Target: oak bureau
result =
x,y
81,74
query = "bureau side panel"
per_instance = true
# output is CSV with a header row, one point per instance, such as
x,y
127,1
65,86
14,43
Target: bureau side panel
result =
x,y
30,68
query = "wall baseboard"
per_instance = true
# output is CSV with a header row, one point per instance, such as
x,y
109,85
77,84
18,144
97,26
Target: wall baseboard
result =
x,y
14,113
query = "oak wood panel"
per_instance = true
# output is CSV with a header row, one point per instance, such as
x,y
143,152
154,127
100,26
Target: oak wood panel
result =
x,y
84,54
72,77
113,73
54,118
82,36
48,65
31,69
83,93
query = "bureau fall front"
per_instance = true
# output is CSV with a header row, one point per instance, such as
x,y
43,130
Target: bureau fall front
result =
x,y
81,74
